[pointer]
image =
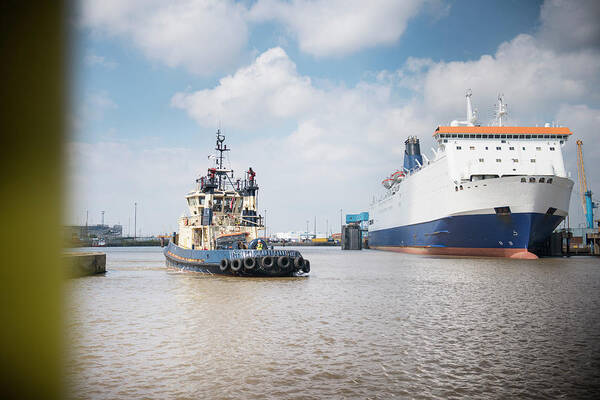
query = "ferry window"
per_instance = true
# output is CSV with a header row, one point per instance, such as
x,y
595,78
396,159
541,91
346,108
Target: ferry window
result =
x,y
542,180
531,180
511,148
454,135
472,148
460,135
498,160
532,160
190,202
486,147
515,160
484,136
503,141
498,148
509,136
481,160
456,188
458,147
503,136
445,140
538,148
549,180
534,136
521,136
201,201
523,180
547,136
551,148
461,188
523,148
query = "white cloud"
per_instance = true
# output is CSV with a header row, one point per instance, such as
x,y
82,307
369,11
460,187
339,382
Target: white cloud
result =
x,y
93,60
338,27
535,79
268,87
92,109
202,36
570,24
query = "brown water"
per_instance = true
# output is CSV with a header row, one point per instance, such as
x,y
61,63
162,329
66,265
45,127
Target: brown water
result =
x,y
364,325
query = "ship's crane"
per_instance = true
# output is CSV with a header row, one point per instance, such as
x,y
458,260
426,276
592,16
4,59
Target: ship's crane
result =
x,y
585,194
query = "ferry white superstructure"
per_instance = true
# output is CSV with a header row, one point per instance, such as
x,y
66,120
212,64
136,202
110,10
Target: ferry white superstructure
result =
x,y
487,191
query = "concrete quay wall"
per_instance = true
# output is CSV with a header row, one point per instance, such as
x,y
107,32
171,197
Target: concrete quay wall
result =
x,y
85,264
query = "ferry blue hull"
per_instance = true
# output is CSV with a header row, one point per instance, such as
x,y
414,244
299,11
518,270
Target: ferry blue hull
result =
x,y
481,235
209,261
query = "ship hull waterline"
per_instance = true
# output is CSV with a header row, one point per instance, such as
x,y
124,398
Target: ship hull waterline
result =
x,y
488,235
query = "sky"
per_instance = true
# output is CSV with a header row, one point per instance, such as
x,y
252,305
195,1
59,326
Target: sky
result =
x,y
316,96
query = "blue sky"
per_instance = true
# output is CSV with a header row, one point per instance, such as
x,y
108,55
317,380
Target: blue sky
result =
x,y
317,96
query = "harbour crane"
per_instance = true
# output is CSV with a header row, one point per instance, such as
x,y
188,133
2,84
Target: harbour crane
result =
x,y
585,194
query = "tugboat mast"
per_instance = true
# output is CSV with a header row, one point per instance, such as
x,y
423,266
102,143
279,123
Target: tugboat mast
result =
x,y
221,148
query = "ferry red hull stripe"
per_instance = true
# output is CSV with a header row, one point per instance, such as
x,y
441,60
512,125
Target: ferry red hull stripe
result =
x,y
461,251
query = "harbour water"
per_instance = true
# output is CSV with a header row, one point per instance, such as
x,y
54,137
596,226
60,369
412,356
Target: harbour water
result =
x,y
364,324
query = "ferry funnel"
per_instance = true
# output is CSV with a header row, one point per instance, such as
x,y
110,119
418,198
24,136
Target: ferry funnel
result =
x,y
412,153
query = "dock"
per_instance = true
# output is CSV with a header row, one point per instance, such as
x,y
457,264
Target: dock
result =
x,y
84,264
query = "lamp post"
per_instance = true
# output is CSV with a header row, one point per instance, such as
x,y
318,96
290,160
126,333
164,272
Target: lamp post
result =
x,y
134,220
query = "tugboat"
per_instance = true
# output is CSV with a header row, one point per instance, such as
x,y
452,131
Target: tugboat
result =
x,y
221,234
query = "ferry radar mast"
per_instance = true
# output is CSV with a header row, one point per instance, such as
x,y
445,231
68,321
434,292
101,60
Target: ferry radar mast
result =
x,y
500,110
471,113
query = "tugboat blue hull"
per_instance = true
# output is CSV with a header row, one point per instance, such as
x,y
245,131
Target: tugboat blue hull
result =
x,y
237,262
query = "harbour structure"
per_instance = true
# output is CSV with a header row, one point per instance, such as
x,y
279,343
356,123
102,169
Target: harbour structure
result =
x,y
487,191
221,233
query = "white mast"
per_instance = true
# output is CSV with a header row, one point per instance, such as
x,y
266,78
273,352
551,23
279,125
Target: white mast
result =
x,y
471,114
501,110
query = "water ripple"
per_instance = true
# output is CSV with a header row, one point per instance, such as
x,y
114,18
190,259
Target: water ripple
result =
x,y
363,325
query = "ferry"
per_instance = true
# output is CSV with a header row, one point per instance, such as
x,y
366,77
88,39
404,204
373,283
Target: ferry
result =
x,y
221,233
491,191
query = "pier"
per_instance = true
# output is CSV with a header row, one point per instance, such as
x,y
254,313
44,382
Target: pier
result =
x,y
84,264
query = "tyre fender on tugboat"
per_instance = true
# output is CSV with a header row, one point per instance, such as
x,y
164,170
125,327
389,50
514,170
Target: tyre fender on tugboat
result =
x,y
298,263
283,262
224,265
236,265
267,262
306,266
249,263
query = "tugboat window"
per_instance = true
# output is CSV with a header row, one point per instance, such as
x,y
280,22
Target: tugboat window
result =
x,y
531,180
542,180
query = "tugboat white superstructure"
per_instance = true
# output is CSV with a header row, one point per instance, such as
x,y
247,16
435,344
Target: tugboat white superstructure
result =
x,y
220,234
487,191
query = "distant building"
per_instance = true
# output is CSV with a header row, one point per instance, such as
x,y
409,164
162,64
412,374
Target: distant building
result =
x,y
83,233
296,236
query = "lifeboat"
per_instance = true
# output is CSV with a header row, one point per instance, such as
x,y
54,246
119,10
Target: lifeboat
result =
x,y
397,176
387,183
